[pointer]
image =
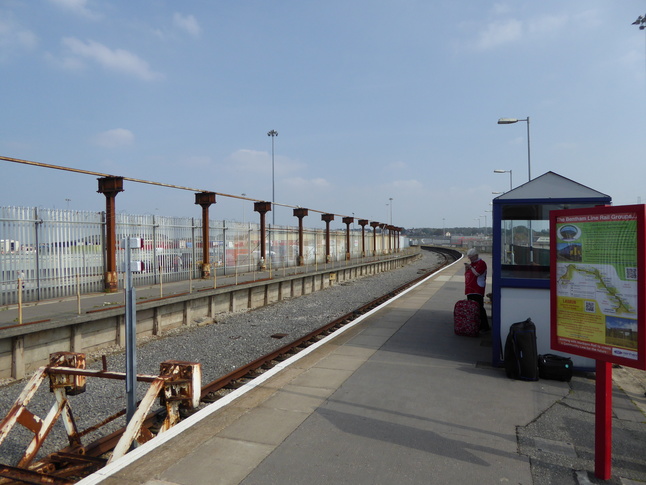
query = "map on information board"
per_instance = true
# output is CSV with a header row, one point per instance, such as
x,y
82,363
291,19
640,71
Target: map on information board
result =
x,y
595,282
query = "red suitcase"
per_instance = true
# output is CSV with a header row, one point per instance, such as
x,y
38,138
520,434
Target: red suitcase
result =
x,y
466,318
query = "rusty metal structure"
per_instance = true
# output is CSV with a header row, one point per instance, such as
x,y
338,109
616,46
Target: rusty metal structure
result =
x,y
327,218
347,221
110,187
363,223
262,208
300,213
205,199
178,385
374,225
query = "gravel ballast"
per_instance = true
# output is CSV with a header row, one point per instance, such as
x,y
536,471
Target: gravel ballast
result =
x,y
232,341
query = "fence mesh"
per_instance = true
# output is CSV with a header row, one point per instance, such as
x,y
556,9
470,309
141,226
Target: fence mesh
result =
x,y
55,253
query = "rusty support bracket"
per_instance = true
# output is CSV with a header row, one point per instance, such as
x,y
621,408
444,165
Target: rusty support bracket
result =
x,y
178,385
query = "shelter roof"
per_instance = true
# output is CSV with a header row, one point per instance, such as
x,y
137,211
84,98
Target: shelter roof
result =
x,y
551,185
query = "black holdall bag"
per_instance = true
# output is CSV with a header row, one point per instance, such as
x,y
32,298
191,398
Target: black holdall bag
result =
x,y
556,367
521,354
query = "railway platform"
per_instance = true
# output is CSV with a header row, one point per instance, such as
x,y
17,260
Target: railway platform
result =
x,y
396,397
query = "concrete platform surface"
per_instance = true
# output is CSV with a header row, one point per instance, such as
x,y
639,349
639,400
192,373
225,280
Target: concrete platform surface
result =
x,y
396,399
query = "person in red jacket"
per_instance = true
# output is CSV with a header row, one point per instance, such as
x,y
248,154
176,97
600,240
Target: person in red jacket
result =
x,y
475,278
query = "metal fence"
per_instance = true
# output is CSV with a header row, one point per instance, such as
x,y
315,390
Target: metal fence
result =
x,y
54,253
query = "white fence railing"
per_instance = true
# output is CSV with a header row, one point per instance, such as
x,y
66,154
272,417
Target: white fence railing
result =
x,y
55,253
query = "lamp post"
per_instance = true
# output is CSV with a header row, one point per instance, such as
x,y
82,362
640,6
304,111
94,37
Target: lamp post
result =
x,y
391,211
273,134
510,121
510,176
243,203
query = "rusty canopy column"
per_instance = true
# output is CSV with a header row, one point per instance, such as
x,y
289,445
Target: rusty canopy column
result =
x,y
262,208
347,221
110,187
382,226
390,238
374,226
327,218
362,223
205,199
300,213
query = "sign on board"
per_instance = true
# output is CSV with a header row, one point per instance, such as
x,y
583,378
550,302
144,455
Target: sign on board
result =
x,y
597,283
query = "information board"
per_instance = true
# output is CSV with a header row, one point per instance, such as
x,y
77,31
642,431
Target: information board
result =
x,y
597,283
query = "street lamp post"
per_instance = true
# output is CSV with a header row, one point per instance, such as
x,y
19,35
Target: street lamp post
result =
x,y
510,121
273,134
391,211
243,204
511,184
641,21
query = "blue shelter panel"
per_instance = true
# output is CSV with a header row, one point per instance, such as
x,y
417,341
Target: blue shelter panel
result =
x,y
521,259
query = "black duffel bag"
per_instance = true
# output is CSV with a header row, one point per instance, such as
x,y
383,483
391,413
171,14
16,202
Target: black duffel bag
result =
x,y
521,354
555,367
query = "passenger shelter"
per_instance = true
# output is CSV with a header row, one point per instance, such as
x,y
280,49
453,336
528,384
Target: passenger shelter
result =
x,y
521,259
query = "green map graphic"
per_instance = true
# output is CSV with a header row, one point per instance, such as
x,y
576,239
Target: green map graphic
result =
x,y
599,283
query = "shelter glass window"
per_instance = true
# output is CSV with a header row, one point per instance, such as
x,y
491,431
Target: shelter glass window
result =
x,y
525,239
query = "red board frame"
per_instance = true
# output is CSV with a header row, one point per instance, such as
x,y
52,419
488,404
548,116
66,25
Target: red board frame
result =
x,y
593,242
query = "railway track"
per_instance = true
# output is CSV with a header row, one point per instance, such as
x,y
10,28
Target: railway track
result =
x,y
72,463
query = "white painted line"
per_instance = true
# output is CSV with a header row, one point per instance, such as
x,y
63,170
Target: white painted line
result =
x,y
194,419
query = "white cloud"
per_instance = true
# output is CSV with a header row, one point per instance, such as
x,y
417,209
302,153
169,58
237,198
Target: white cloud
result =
x,y
397,166
305,185
257,162
501,9
248,161
498,33
119,137
590,18
202,162
186,23
408,185
79,7
547,24
14,40
115,60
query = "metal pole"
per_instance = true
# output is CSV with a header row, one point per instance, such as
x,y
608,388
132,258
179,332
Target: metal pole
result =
x,y
273,186
273,134
529,163
131,339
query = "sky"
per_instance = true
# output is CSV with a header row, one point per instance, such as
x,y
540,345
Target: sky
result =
x,y
385,110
